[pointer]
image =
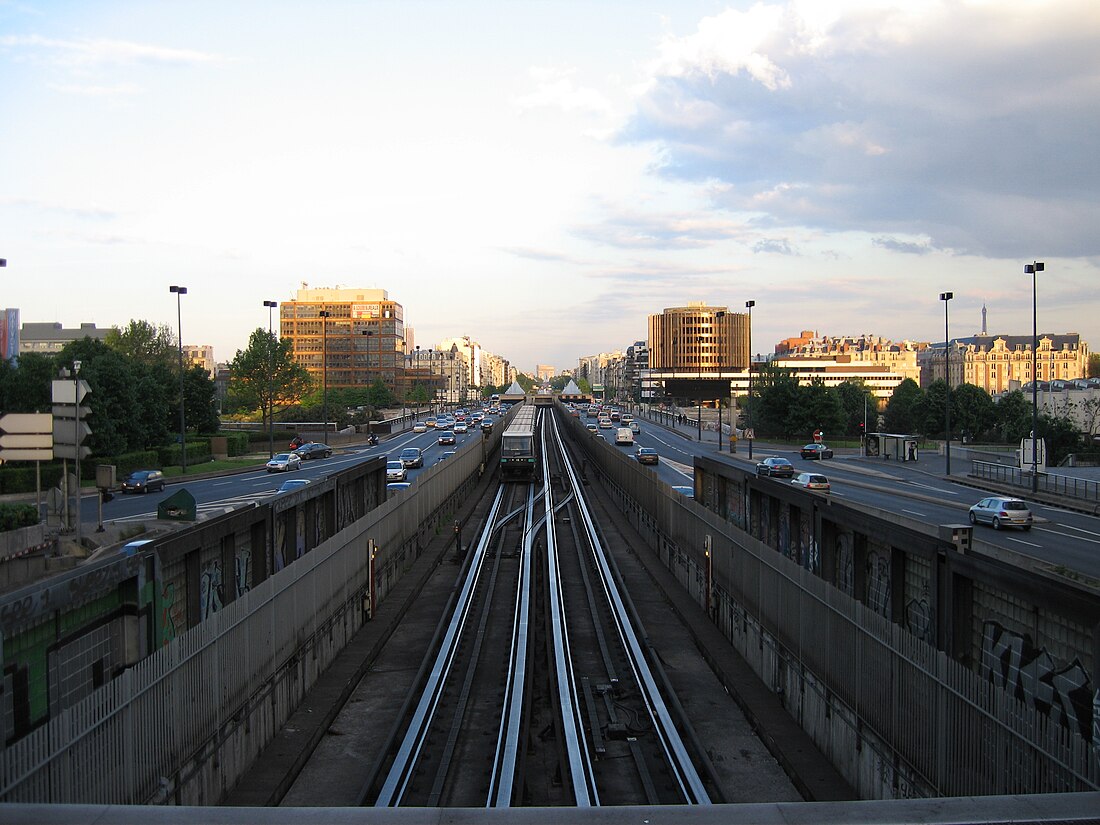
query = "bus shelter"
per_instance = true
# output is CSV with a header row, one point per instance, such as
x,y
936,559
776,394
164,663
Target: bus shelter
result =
x,y
896,446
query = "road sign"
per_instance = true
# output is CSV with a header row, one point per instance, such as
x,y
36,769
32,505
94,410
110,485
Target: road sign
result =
x,y
25,423
69,430
67,392
26,441
68,451
69,411
26,437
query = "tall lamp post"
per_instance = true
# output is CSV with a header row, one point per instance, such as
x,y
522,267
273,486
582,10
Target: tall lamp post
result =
x,y
324,315
180,291
748,420
270,381
945,297
1033,269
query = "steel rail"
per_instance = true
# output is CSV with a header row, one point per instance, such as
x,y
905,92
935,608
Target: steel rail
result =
x,y
503,775
691,784
401,771
578,756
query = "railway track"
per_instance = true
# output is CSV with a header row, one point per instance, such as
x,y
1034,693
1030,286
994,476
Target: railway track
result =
x,y
539,690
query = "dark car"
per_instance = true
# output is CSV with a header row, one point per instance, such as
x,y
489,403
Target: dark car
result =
x,y
815,451
446,437
314,450
143,481
647,455
486,424
775,468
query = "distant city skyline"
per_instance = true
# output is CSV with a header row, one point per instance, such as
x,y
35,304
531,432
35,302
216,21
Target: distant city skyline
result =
x,y
839,163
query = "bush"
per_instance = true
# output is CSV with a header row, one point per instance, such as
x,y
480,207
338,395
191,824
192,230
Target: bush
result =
x,y
236,441
198,452
14,516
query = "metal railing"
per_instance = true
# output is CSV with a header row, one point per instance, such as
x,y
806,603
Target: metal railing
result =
x,y
1069,486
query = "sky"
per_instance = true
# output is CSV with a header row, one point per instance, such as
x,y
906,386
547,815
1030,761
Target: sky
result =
x,y
542,176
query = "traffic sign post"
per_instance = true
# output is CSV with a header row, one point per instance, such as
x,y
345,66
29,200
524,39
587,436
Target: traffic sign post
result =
x,y
69,431
28,437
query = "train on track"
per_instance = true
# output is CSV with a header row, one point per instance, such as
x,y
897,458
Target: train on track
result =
x,y
519,446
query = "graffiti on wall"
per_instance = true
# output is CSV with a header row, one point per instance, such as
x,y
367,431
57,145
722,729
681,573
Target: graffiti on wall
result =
x,y
734,511
878,583
242,572
1064,693
210,590
918,617
845,564
784,546
167,606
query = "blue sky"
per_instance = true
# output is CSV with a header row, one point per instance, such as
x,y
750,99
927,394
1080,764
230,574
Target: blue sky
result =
x,y
542,176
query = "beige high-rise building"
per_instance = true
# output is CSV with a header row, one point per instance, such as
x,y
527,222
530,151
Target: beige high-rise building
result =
x,y
699,338
347,337
202,356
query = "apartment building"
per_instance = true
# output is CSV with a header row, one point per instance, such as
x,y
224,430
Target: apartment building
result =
x,y
1000,363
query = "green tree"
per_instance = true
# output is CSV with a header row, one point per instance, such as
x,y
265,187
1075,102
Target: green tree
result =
x,y
1061,435
200,406
973,412
264,376
584,386
775,400
25,384
1094,365
145,343
1013,417
379,395
902,407
857,402
818,408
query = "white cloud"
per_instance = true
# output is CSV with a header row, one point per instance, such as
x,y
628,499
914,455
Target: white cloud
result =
x,y
556,88
100,51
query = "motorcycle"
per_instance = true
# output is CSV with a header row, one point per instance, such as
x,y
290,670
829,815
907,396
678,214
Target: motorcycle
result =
x,y
372,440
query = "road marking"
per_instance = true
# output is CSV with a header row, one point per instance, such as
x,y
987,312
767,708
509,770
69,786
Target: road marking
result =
x,y
1021,541
936,489
1069,536
1079,529
915,513
222,483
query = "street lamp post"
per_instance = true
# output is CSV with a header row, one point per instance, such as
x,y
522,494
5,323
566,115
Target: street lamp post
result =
x,y
76,443
748,419
945,297
180,291
324,315
1033,269
270,381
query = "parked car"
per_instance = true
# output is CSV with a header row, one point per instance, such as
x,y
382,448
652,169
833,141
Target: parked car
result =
x,y
395,471
314,449
446,437
143,481
293,484
1001,512
775,468
647,455
412,457
818,451
296,442
420,427
284,463
812,481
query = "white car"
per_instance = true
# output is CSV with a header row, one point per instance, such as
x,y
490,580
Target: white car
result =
x,y
811,481
460,427
284,463
395,471
420,427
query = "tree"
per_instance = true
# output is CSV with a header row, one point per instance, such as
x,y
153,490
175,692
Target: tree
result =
x,y
902,407
775,394
25,383
200,408
145,343
973,411
584,386
1094,366
1013,417
819,408
858,405
264,376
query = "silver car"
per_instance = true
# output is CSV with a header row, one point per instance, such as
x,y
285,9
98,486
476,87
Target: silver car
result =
x,y
284,463
1001,512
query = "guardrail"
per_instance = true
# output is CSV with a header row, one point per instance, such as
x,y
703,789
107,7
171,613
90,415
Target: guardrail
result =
x,y
1069,486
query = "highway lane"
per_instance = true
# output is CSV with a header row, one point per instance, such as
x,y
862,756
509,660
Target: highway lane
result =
x,y
1059,536
223,492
